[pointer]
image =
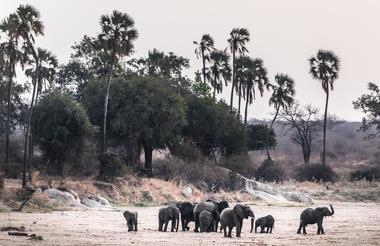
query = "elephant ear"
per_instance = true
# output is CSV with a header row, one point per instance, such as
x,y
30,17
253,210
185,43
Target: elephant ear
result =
x,y
238,210
319,212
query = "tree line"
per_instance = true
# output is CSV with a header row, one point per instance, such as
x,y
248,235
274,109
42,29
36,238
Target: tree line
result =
x,y
120,105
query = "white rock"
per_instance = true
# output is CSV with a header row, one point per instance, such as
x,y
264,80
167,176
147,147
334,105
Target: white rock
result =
x,y
63,198
90,203
99,199
186,191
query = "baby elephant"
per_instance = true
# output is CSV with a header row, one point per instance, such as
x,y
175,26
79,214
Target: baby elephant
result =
x,y
267,221
169,213
131,218
208,220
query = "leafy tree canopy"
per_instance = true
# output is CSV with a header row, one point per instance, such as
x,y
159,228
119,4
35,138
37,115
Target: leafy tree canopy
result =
x,y
256,137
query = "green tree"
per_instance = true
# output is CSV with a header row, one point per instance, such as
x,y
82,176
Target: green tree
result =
x,y
220,70
65,126
282,97
117,38
325,67
204,48
370,105
257,137
144,111
237,41
198,88
212,128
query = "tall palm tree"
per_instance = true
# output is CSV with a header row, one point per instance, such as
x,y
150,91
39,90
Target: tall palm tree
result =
x,y
10,57
27,25
117,36
255,78
220,70
325,67
238,38
203,50
239,81
282,97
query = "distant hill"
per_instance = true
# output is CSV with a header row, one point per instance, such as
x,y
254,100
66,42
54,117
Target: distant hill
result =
x,y
346,146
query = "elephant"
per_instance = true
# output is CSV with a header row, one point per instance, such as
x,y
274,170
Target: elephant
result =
x,y
207,220
165,215
186,209
210,206
312,216
131,218
267,221
232,217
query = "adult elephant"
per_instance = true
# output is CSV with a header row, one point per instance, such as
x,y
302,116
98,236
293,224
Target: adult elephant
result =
x,y
207,220
232,217
186,210
312,216
166,214
208,206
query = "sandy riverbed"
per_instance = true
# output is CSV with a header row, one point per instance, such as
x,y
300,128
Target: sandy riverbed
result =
x,y
353,224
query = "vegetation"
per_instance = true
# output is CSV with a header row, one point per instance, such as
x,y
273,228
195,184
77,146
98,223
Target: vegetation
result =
x,y
325,67
107,110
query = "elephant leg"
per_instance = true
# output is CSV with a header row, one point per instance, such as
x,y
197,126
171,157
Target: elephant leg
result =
x,y
196,220
229,231
267,229
160,224
216,225
262,229
224,229
322,231
270,229
304,228
166,225
173,225
299,228
135,225
183,223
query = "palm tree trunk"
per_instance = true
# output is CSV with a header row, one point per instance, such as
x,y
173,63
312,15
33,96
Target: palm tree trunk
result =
x,y
104,146
233,80
324,127
245,123
28,126
270,127
214,86
239,100
8,106
204,66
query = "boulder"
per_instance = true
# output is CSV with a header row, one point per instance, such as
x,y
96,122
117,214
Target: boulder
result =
x,y
61,197
186,191
90,203
99,199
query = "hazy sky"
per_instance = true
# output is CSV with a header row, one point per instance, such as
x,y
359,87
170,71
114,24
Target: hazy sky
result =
x,y
283,33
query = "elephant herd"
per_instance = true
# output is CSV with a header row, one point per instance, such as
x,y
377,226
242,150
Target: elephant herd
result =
x,y
207,215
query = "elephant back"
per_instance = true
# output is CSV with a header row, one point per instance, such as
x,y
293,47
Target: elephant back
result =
x,y
209,206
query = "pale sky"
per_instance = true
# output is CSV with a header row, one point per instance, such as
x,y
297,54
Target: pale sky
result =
x,y
283,33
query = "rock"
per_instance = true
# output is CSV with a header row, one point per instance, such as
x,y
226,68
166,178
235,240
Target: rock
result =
x,y
61,197
90,203
186,191
99,199
64,214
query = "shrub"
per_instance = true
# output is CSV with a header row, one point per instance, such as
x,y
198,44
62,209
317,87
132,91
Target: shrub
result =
x,y
111,167
368,173
270,171
239,164
316,172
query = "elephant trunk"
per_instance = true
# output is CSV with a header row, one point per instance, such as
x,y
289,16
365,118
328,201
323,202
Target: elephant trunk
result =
x,y
332,210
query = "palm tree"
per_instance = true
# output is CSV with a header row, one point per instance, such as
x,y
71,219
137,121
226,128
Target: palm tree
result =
x,y
47,65
10,57
219,70
325,67
238,38
117,38
255,78
282,97
26,24
204,47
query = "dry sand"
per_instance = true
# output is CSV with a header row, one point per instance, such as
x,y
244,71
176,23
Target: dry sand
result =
x,y
353,224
